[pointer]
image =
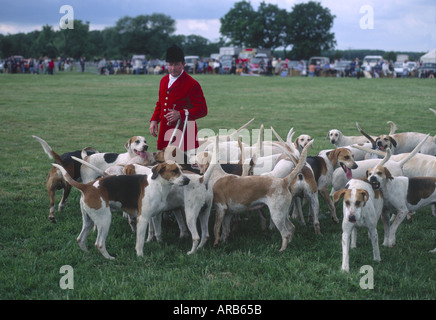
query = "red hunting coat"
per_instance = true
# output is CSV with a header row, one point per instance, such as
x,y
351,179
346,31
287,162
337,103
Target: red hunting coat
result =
x,y
185,93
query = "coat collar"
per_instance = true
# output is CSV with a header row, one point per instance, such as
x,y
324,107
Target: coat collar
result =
x,y
178,82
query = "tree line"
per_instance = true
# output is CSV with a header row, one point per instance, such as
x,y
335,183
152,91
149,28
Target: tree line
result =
x,y
303,32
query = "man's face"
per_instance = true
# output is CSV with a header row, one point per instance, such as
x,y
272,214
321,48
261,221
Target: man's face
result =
x,y
175,68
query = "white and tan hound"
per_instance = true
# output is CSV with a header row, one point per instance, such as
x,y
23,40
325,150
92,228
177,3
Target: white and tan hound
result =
x,y
55,180
402,142
136,152
402,193
337,138
362,207
233,194
139,195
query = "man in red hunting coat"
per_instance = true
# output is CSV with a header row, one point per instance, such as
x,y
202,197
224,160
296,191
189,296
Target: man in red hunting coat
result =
x,y
180,96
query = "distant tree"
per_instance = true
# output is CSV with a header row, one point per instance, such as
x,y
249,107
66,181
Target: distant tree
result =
x,y
74,42
268,28
236,24
391,56
308,30
96,45
45,43
144,34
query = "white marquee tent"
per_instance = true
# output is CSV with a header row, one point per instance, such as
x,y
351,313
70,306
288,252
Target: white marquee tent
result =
x,y
429,56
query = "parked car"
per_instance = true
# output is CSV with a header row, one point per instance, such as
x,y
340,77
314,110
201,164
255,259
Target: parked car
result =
x,y
189,63
398,69
412,67
256,65
321,60
139,64
343,68
226,62
427,69
372,60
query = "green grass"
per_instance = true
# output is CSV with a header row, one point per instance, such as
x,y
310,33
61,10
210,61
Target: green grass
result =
x,y
72,111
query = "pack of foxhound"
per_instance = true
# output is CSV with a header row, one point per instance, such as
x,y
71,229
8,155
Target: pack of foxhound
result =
x,y
390,176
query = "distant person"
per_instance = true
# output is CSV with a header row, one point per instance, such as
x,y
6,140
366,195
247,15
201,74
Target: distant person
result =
x,y
377,70
312,70
367,71
385,68
51,66
358,70
180,96
82,64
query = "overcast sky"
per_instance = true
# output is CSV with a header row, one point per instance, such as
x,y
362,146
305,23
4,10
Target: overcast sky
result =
x,y
397,25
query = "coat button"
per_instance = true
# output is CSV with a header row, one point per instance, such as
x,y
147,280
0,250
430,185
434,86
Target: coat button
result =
x,y
165,110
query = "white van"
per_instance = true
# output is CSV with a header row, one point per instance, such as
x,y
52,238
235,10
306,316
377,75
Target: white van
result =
x,y
189,63
372,60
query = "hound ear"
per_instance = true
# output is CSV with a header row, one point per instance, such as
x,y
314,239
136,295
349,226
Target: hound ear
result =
x,y
367,173
388,174
394,143
157,169
365,196
296,143
338,195
127,144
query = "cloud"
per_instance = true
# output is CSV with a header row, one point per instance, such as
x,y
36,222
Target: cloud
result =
x,y
208,29
399,25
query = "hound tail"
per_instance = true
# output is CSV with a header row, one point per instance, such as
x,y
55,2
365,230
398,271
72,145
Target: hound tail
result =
x,y
68,178
213,162
49,151
414,151
301,163
98,170
230,137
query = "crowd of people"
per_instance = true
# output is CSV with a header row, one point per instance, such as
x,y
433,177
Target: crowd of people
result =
x,y
19,64
264,66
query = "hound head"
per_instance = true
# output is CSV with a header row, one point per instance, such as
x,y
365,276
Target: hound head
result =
x,y
378,176
169,172
335,135
385,141
345,158
354,201
203,160
137,145
301,141
171,153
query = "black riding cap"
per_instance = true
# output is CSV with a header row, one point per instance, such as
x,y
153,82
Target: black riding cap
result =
x,y
175,54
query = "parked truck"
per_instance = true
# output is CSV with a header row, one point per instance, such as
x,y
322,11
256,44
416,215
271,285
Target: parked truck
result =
x,y
230,51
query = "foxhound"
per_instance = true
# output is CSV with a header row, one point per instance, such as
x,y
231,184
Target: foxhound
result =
x,y
399,165
403,142
337,138
139,195
232,194
340,140
55,180
136,152
304,185
301,141
404,194
195,199
362,207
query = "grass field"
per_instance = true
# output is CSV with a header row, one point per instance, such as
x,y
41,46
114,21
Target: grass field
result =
x,y
72,111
